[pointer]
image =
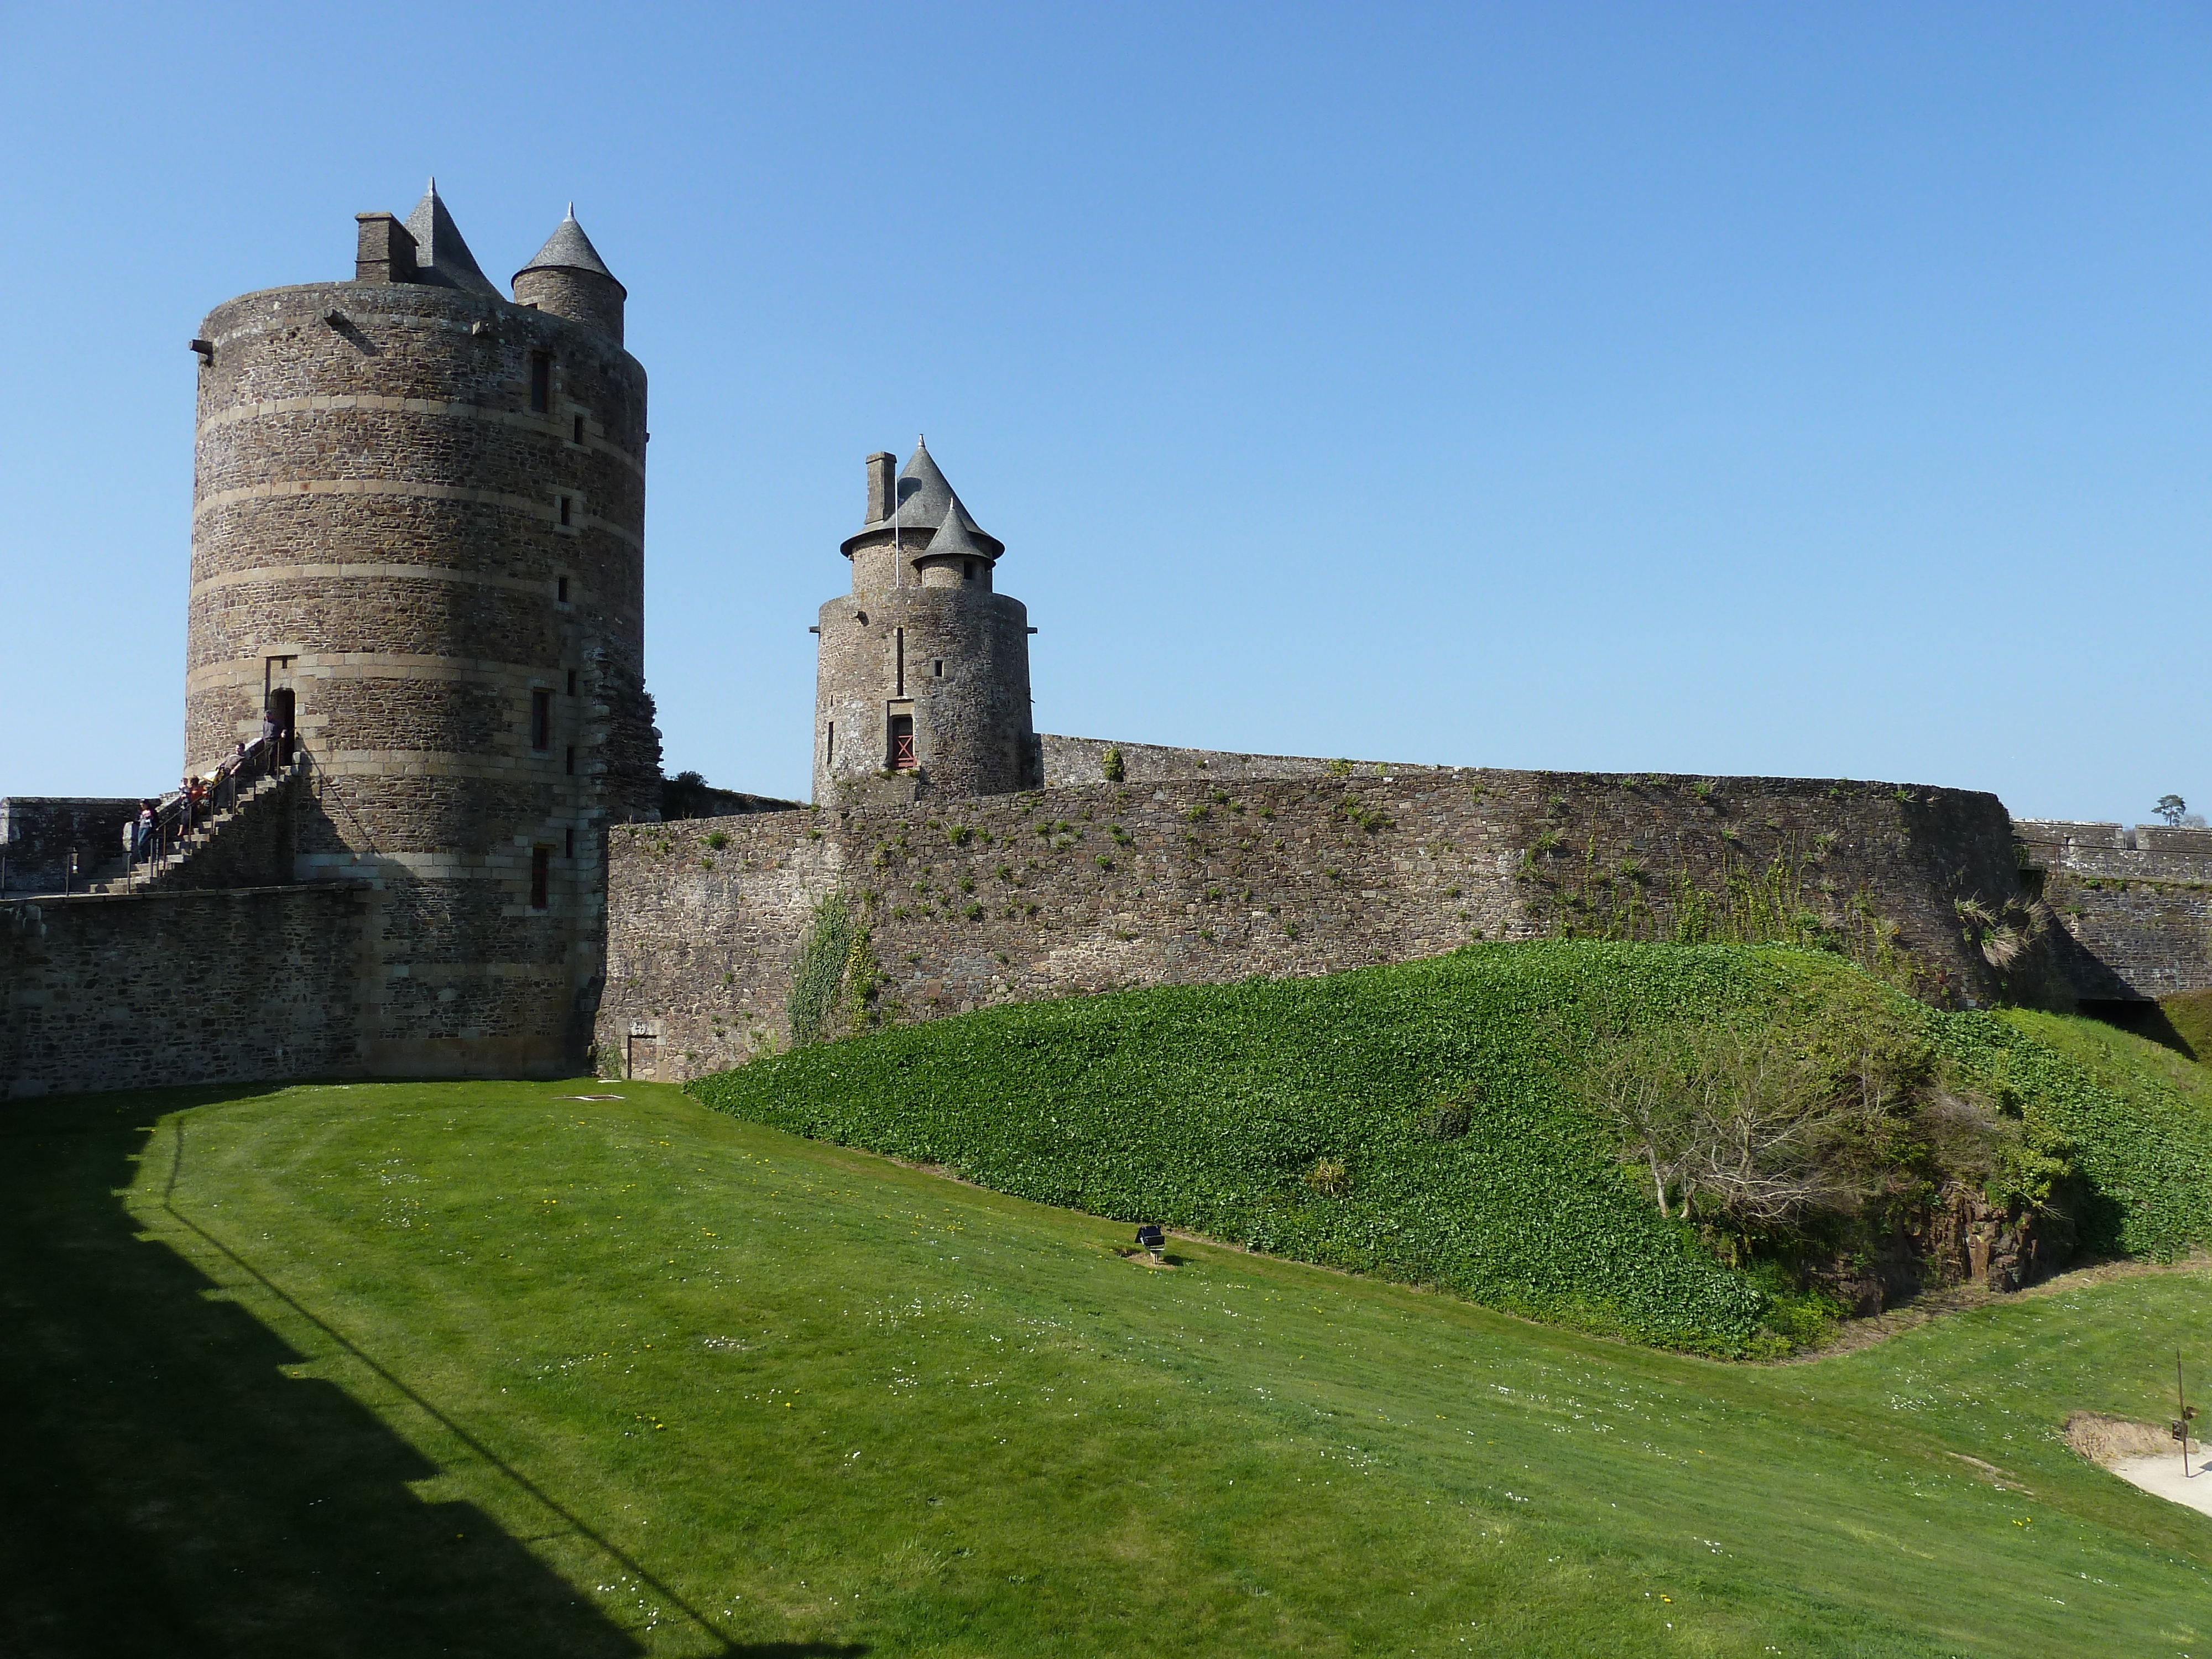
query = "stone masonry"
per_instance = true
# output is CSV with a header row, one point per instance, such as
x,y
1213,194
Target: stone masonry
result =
x,y
37,834
418,524
923,677
417,560
1078,889
155,989
2137,901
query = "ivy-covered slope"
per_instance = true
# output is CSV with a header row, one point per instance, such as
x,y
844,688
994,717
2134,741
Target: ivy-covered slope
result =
x,y
1417,1121
2138,1117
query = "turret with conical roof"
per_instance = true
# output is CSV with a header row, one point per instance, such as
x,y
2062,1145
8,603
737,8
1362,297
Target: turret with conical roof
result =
x,y
568,279
923,681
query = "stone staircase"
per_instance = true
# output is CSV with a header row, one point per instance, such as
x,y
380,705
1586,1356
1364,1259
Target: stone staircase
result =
x,y
248,843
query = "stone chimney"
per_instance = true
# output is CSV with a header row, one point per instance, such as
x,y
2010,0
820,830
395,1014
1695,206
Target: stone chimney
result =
x,y
883,469
385,252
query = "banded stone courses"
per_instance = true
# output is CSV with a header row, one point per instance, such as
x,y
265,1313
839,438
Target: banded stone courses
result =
x,y
419,519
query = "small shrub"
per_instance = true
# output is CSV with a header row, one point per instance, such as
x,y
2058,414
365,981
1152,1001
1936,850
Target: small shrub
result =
x,y
1330,1177
1110,766
718,841
1367,818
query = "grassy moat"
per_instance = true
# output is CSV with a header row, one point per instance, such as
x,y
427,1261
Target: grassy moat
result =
x,y
482,1369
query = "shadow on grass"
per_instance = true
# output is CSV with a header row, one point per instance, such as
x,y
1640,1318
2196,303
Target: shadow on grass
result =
x,y
2151,1020
165,1489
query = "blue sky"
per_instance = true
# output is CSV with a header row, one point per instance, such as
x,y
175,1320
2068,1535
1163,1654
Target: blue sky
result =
x,y
1817,391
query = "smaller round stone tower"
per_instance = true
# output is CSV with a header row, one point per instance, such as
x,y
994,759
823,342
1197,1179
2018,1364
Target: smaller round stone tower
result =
x,y
923,679
568,279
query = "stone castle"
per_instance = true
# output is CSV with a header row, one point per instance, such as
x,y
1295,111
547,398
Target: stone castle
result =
x,y
417,596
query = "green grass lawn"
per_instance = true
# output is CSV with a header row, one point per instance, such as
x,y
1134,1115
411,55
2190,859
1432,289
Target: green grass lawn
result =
x,y
471,1368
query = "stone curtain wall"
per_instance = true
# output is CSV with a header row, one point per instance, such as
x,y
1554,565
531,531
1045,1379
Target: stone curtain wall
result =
x,y
37,833
2137,901
151,989
1070,761
1072,891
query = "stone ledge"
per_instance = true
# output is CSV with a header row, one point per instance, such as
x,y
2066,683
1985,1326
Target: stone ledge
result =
x,y
44,900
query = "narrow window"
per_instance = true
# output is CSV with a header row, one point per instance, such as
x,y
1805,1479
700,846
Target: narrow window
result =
x,y
572,673
568,843
829,744
561,584
579,428
939,667
898,647
541,720
570,763
541,381
967,570
564,523
541,869
901,744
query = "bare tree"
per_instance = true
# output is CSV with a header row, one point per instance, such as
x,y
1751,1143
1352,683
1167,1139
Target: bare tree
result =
x,y
1740,1125
1637,1082
1772,1139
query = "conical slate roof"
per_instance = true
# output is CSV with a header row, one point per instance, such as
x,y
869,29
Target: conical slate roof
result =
x,y
442,257
569,249
925,502
952,535
924,496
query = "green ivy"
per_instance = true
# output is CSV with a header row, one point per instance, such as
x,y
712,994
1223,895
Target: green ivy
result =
x,y
1437,1096
820,970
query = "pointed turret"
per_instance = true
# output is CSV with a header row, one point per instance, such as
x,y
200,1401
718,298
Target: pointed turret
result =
x,y
568,278
953,538
442,257
924,494
567,248
925,497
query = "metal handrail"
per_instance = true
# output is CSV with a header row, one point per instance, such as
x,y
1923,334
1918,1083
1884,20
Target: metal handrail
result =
x,y
176,817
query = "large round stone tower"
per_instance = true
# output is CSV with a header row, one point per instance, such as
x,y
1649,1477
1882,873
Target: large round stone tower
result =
x,y
418,542
923,678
